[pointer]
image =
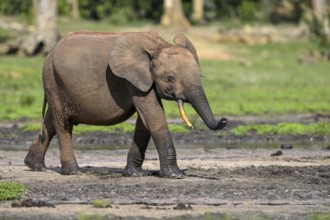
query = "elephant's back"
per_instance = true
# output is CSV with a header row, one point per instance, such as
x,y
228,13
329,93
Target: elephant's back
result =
x,y
83,50
80,63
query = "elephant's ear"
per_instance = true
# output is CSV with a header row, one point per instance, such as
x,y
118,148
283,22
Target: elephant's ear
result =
x,y
130,57
182,41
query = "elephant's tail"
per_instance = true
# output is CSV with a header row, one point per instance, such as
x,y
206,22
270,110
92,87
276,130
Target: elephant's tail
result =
x,y
44,105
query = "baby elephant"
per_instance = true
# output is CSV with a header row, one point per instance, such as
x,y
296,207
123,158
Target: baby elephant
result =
x,y
99,78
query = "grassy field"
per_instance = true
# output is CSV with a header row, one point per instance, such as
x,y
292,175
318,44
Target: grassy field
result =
x,y
259,80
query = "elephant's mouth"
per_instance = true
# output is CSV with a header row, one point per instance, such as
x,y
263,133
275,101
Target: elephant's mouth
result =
x,y
183,114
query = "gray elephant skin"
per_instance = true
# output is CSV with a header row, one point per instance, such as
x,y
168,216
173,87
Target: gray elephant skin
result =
x,y
100,78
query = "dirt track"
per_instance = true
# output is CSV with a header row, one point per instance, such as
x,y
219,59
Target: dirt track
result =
x,y
226,177
219,182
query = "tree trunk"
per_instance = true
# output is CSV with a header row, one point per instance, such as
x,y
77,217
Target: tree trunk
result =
x,y
320,11
173,15
46,35
47,23
74,5
198,11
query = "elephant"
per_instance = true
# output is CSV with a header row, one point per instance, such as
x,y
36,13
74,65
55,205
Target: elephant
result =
x,y
103,78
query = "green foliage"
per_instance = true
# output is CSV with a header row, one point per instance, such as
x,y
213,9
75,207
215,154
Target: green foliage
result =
x,y
11,190
119,12
248,10
123,11
321,128
63,8
15,7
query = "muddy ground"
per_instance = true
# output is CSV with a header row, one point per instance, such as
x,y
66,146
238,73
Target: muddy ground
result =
x,y
225,177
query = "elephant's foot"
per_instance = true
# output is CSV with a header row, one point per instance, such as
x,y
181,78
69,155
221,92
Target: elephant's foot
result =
x,y
135,172
69,168
35,163
172,171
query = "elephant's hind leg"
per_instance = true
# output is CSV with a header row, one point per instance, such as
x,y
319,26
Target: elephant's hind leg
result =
x,y
35,159
68,160
136,153
63,126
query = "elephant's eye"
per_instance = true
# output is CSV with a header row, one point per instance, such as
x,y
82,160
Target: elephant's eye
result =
x,y
171,78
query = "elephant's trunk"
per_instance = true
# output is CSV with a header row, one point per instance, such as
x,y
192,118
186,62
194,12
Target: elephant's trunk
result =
x,y
199,102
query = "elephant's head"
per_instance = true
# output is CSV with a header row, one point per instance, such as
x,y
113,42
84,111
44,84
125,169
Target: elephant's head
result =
x,y
144,59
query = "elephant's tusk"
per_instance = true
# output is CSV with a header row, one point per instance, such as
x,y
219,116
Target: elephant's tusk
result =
x,y
183,114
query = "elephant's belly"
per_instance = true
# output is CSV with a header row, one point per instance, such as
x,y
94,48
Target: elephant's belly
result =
x,y
99,115
100,108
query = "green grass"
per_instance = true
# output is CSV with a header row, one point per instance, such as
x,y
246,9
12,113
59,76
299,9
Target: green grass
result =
x,y
270,82
124,127
320,216
4,35
11,190
321,128
21,91
87,216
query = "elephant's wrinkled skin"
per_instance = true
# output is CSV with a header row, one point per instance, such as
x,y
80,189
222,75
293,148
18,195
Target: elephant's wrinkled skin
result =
x,y
103,79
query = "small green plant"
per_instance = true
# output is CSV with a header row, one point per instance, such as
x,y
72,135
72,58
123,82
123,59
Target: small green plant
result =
x,y
11,190
85,216
27,99
97,203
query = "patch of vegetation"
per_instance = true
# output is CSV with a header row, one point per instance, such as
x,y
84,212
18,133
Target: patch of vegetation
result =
x,y
97,203
31,127
84,216
320,216
11,190
321,128
21,92
4,35
180,128
124,127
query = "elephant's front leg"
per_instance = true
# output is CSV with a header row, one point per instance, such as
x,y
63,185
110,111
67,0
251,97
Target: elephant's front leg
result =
x,y
152,114
136,154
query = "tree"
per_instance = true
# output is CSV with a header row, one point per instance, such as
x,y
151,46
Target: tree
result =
x,y
173,15
198,11
74,6
46,34
320,11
